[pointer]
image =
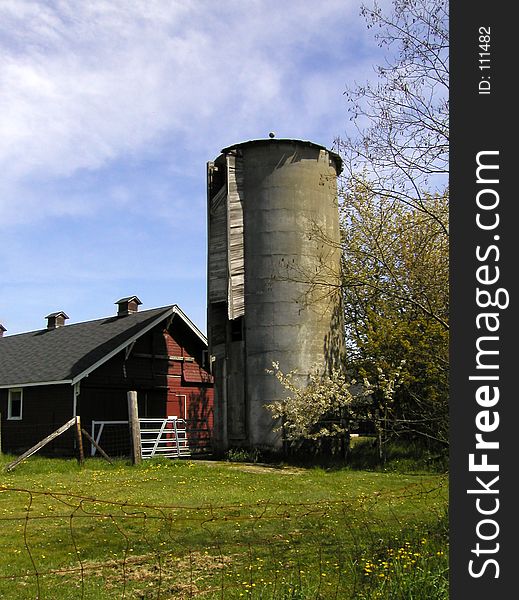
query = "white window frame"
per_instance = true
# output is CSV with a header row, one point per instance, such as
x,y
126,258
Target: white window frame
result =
x,y
180,398
10,416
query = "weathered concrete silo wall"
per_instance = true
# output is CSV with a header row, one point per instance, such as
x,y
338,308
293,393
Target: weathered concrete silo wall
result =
x,y
279,298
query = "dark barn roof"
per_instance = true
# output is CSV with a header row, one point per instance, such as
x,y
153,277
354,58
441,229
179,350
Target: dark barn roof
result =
x,y
69,353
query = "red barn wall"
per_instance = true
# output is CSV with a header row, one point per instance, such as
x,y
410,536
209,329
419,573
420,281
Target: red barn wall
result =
x,y
165,370
190,389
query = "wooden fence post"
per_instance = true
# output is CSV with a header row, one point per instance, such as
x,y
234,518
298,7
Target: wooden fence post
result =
x,y
79,436
96,445
135,428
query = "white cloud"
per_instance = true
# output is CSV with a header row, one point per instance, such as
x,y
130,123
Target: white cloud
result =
x,y
109,110
83,83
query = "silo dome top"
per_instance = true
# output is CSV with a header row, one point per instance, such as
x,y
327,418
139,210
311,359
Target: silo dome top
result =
x,y
273,140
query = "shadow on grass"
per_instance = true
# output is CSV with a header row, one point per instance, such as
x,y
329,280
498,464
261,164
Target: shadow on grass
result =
x,y
401,457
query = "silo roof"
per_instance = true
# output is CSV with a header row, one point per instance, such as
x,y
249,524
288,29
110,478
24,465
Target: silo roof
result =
x,y
334,155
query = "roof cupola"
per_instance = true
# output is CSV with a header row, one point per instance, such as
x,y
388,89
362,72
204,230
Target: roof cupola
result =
x,y
127,306
56,319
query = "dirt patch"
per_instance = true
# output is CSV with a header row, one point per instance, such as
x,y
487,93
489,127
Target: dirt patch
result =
x,y
253,468
174,576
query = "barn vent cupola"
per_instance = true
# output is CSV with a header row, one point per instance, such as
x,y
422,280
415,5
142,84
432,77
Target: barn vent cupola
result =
x,y
127,306
56,319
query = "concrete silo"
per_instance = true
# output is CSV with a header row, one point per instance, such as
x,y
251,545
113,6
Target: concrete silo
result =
x,y
273,275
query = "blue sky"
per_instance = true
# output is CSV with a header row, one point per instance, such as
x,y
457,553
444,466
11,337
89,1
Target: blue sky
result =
x,y
109,112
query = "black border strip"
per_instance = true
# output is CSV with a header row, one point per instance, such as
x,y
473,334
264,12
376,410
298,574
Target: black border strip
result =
x,y
482,120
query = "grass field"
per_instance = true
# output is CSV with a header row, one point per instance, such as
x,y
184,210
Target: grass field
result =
x,y
189,529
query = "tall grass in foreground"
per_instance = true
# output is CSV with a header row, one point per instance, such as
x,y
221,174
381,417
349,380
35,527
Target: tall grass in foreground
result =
x,y
409,567
182,529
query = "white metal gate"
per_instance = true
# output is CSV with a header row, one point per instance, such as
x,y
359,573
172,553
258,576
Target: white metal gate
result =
x,y
164,437
159,437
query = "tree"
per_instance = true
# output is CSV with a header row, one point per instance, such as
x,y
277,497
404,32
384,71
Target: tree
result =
x,y
325,409
394,253
395,217
396,308
331,405
401,149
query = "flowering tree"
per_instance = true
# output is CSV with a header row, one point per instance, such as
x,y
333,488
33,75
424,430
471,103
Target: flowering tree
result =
x,y
329,406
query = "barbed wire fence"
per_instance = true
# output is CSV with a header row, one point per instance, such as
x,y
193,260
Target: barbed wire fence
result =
x,y
57,545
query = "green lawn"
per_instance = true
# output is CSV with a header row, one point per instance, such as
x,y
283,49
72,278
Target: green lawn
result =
x,y
186,529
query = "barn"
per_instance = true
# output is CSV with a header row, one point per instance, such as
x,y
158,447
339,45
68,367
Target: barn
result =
x,y
87,369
